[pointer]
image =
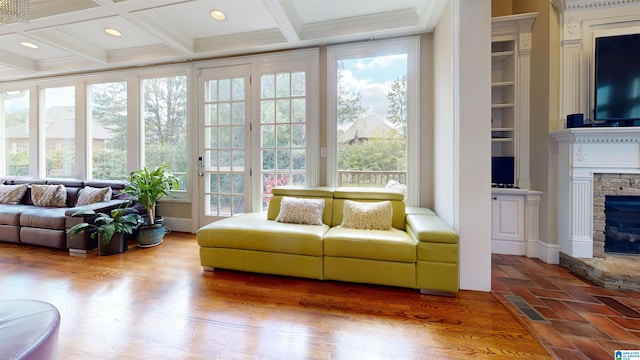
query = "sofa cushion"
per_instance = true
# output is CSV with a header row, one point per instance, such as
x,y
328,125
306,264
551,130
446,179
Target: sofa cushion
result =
x,y
388,245
253,231
49,195
368,216
431,228
48,218
325,193
90,195
10,214
12,194
301,211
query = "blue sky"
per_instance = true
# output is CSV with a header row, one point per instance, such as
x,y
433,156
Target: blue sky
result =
x,y
373,77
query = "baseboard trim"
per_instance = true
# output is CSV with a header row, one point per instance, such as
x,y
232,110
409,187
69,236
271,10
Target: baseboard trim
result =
x,y
179,224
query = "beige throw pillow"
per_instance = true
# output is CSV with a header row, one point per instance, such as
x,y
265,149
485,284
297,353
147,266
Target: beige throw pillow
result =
x,y
89,195
49,195
301,211
12,194
367,215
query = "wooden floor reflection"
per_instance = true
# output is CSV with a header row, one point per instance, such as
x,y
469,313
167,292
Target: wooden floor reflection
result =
x,y
157,303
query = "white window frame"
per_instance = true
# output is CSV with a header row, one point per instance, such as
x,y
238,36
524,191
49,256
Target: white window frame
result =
x,y
410,46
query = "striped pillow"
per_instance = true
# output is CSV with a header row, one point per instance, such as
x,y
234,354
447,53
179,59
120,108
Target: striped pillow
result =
x,y
12,194
49,195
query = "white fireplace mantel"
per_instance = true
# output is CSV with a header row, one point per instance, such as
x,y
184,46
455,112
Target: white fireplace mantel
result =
x,y
581,153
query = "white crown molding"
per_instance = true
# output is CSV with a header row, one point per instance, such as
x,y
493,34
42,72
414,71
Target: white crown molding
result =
x,y
577,5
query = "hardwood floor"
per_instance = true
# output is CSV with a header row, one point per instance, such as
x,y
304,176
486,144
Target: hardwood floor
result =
x,y
157,303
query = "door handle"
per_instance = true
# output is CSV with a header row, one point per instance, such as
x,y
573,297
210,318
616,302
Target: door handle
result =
x,y
200,166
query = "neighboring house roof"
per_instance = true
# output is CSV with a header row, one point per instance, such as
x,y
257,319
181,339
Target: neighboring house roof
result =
x,y
368,127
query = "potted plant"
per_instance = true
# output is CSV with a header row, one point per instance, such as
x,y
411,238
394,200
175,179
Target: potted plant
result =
x,y
147,187
110,229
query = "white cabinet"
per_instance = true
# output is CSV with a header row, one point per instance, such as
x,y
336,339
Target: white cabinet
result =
x,y
510,92
514,221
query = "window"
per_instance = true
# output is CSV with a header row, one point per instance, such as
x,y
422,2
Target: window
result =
x,y
283,131
164,112
108,130
59,131
15,124
373,115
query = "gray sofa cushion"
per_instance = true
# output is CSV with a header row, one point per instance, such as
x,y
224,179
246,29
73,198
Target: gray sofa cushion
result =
x,y
47,218
10,214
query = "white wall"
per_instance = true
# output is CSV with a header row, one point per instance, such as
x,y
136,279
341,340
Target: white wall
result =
x,y
462,146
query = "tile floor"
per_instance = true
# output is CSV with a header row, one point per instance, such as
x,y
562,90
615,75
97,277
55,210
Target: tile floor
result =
x,y
581,319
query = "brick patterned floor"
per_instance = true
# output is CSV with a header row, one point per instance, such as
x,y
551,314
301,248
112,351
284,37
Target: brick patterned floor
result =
x,y
585,321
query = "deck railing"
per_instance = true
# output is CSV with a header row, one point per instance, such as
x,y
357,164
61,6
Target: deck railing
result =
x,y
370,178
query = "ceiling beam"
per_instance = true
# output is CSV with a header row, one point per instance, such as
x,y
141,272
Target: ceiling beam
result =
x,y
285,14
163,30
63,41
18,62
429,12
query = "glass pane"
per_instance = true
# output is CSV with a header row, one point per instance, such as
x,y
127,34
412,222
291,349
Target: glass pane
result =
x,y
213,204
237,114
284,159
224,137
237,91
224,90
224,159
268,135
213,183
59,131
225,183
372,120
238,184
283,108
213,159
224,114
283,179
237,160
268,159
283,85
212,86
298,84
213,137
108,124
165,124
268,83
298,135
16,132
283,136
238,204
212,111
225,205
298,159
298,179
268,182
238,137
299,111
268,111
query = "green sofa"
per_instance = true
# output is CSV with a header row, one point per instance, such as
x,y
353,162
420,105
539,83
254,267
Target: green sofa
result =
x,y
420,251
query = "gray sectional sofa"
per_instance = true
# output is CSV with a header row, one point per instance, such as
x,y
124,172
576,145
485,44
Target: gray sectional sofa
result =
x,y
28,223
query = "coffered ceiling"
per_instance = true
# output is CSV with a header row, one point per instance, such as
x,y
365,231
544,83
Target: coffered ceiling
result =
x,y
70,34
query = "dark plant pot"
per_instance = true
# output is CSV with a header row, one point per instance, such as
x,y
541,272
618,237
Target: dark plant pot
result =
x,y
117,245
151,235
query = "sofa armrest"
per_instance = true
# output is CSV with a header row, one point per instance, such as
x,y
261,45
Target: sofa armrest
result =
x,y
430,228
99,207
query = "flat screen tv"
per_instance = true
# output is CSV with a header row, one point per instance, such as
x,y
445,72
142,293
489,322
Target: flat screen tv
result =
x,y
617,80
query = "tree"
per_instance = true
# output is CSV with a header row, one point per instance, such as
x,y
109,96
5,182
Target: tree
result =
x,y
397,98
349,106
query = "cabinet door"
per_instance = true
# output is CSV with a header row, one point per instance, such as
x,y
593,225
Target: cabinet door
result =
x,y
507,217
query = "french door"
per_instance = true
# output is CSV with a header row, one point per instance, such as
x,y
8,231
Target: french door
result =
x,y
258,128
224,163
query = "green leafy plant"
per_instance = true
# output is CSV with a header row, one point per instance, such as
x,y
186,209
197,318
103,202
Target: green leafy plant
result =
x,y
148,186
106,225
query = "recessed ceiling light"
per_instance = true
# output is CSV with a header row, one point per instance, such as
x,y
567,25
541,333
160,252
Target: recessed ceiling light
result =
x,y
218,15
112,32
28,44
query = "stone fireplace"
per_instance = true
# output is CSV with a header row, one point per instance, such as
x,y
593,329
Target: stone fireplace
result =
x,y
595,162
